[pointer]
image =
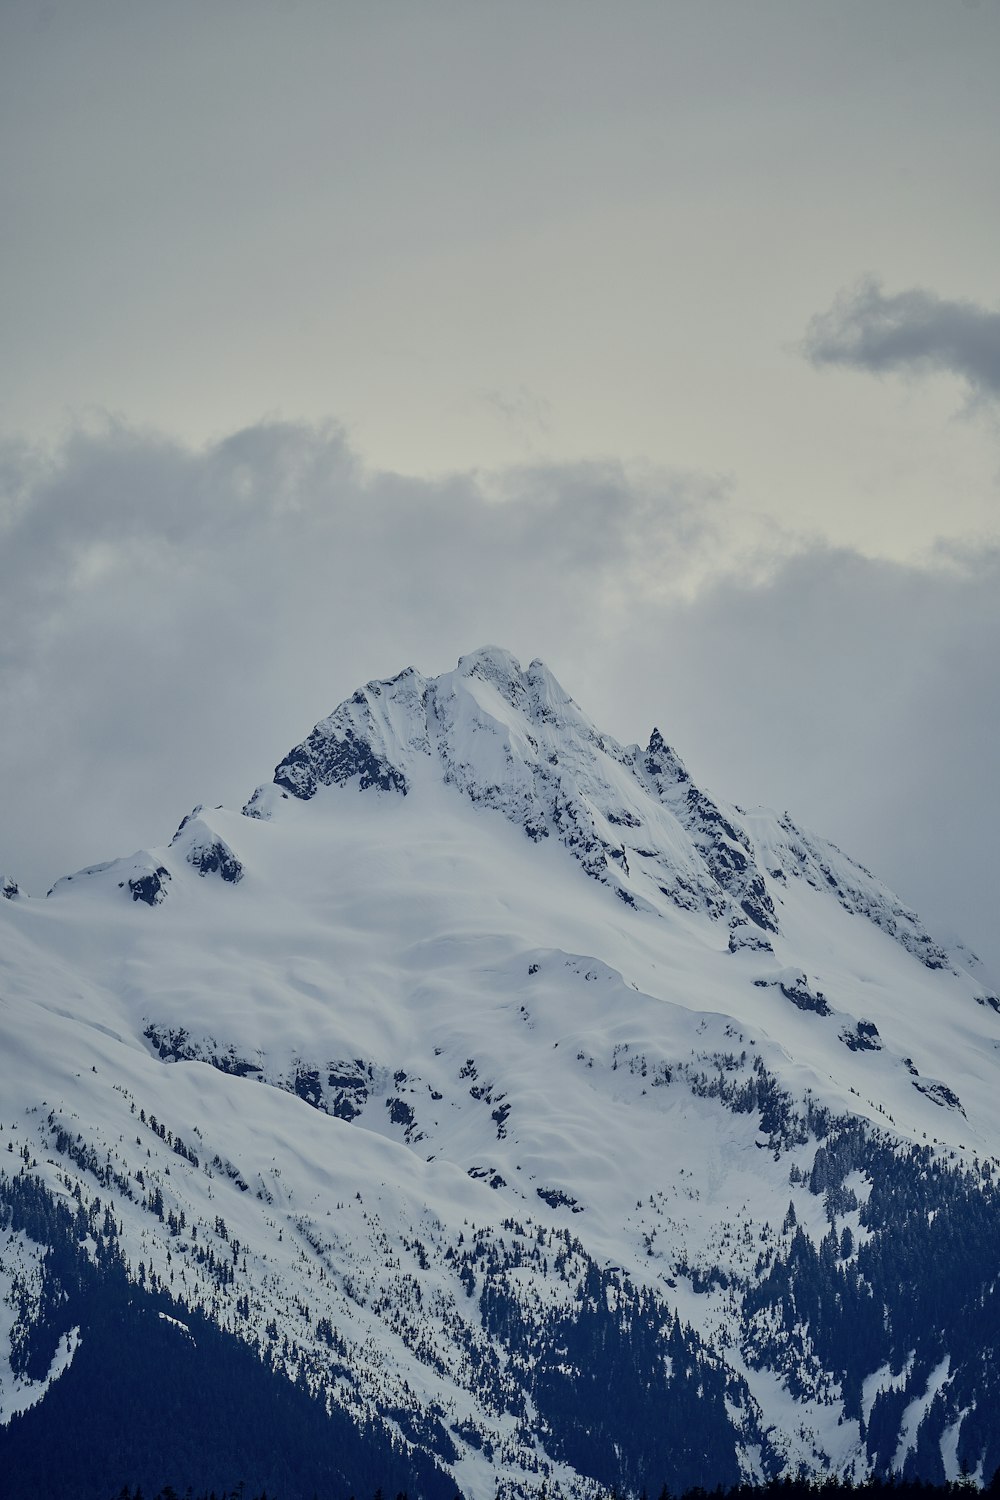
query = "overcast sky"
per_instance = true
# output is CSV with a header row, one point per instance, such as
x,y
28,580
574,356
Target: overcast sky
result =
x,y
661,340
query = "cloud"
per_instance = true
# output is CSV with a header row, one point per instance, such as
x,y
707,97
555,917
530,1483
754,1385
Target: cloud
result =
x,y
172,620
912,332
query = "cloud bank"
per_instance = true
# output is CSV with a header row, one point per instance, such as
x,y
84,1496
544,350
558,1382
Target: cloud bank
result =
x,y
913,332
172,620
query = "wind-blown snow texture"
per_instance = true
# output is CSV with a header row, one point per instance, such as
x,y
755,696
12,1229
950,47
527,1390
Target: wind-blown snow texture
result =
x,y
532,1113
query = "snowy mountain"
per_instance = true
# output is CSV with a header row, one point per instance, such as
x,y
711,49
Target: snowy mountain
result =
x,y
487,1107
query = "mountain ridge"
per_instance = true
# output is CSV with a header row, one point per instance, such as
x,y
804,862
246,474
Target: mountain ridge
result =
x,y
467,1088
362,740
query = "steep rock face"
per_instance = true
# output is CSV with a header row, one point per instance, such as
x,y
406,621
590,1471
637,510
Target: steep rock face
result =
x,y
725,846
368,739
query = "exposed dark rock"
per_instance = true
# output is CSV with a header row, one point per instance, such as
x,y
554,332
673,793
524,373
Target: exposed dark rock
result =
x,y
216,859
725,848
662,761
938,1093
623,819
557,1199
351,1083
487,1174
151,887
346,1081
745,937
331,760
798,992
174,1044
308,1086
345,1107
400,1113
805,999
864,1038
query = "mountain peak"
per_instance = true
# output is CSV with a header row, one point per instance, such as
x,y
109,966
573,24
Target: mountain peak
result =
x,y
494,664
512,741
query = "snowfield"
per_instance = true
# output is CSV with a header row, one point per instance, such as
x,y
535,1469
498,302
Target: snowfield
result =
x,y
470,1018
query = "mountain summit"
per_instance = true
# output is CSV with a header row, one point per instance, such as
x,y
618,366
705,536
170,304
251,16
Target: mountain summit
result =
x,y
497,1109
514,741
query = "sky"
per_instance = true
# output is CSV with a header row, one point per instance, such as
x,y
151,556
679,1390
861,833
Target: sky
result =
x,y
659,340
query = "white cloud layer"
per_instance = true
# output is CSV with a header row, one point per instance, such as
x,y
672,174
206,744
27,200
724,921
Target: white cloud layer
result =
x,y
172,620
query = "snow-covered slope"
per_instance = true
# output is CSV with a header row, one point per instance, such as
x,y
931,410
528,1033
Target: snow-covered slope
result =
x,y
482,1065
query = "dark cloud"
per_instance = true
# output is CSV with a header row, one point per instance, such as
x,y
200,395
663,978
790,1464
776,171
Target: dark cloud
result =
x,y
914,332
172,620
